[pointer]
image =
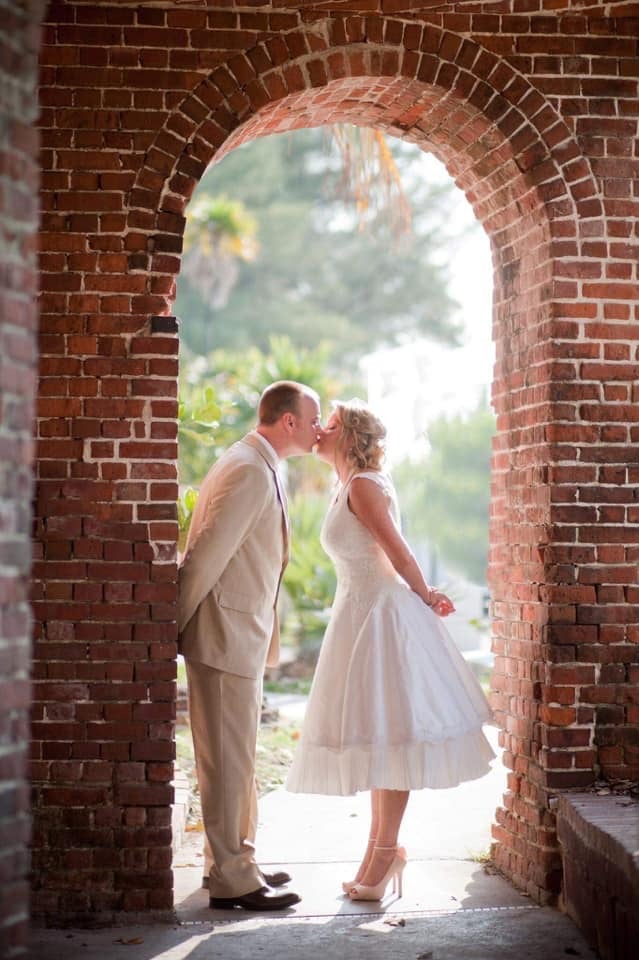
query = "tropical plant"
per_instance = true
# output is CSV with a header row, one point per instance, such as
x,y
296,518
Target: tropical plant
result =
x,y
370,181
219,234
185,506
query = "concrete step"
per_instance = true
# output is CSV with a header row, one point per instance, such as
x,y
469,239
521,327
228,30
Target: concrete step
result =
x,y
599,836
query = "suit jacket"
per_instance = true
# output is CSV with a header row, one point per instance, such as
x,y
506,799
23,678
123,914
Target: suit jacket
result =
x,y
235,556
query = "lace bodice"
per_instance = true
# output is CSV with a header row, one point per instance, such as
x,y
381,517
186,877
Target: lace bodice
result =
x,y
360,563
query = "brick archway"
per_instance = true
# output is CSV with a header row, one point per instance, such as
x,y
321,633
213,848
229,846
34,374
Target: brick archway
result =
x,y
136,101
535,196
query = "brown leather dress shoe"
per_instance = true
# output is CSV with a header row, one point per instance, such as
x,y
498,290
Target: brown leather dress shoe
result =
x,y
262,899
277,879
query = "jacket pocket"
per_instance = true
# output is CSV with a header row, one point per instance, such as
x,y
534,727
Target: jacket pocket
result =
x,y
240,602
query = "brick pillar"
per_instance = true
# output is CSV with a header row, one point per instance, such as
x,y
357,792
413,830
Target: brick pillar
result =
x,y
105,589
18,320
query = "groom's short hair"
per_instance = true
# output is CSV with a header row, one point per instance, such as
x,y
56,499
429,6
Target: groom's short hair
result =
x,y
279,398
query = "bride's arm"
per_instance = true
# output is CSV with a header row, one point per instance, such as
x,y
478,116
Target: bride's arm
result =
x,y
369,503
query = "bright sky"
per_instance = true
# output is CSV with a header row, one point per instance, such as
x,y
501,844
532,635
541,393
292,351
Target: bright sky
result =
x,y
412,385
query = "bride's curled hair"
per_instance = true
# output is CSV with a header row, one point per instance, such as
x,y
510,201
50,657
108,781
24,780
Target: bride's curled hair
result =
x,y
363,435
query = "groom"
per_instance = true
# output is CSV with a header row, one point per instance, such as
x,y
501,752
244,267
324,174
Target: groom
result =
x,y
229,581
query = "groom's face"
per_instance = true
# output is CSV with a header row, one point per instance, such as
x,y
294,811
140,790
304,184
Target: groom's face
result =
x,y
307,424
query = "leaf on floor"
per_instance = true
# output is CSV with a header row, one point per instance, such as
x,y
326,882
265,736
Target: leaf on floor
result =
x,y
395,922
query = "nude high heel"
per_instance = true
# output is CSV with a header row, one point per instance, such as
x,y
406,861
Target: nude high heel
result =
x,y
347,885
363,892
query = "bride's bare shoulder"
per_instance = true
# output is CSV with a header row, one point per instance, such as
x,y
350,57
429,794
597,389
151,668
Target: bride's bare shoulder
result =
x,y
369,486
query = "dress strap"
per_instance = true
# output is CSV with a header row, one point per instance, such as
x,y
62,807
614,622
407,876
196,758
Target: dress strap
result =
x,y
375,475
386,484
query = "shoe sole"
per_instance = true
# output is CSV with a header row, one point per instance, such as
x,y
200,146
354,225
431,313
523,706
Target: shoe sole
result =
x,y
222,903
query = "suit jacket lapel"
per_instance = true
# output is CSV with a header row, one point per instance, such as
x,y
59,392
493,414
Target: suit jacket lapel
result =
x,y
272,461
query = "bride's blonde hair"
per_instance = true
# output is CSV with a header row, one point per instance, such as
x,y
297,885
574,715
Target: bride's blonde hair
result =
x,y
363,435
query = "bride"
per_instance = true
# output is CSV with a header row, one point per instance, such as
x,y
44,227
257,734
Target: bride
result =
x,y
393,706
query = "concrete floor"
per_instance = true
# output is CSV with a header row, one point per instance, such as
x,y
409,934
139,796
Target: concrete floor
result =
x,y
453,907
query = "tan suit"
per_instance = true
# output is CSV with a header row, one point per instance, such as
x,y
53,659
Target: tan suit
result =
x,y
229,581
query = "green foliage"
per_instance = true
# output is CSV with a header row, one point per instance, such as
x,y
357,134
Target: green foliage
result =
x,y
316,274
445,497
274,753
199,415
309,578
290,685
185,506
216,408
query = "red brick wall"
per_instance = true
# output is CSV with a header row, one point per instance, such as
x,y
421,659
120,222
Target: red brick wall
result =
x,y
18,352
536,118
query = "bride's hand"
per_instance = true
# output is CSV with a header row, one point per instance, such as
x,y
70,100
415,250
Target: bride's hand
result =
x,y
441,604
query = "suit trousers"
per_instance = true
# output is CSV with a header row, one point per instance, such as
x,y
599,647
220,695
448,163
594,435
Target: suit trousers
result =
x,y
225,714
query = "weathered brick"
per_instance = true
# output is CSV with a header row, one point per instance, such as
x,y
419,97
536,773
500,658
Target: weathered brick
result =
x,y
533,100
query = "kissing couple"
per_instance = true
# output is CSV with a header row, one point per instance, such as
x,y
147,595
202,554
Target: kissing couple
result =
x,y
393,706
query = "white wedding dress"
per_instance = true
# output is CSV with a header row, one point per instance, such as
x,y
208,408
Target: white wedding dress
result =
x,y
393,703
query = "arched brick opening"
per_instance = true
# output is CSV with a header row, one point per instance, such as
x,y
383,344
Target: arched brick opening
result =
x,y
105,590
535,196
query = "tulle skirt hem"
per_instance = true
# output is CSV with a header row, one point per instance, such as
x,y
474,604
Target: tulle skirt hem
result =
x,y
318,769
